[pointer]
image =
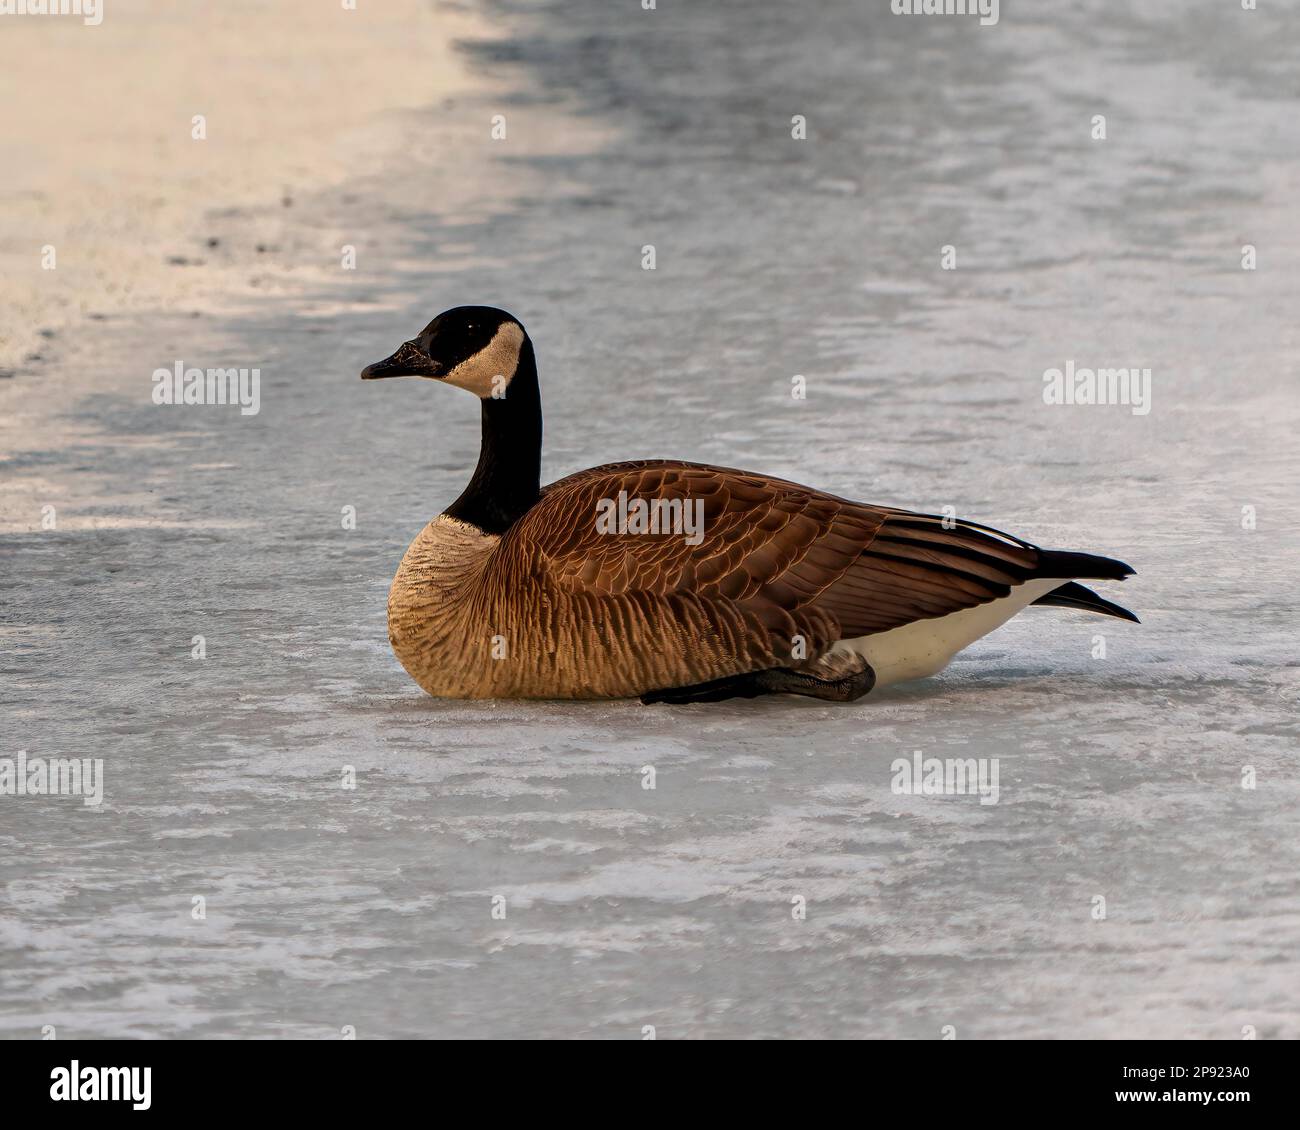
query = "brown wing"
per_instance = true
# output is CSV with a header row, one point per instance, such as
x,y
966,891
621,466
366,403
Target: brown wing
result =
x,y
789,557
919,566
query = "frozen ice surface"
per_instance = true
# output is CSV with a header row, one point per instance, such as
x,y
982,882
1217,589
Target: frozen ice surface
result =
x,y
1121,777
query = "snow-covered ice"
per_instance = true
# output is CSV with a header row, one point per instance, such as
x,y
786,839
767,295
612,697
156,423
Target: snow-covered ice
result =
x,y
1120,776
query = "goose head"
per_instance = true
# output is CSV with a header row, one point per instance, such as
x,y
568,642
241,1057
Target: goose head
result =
x,y
474,347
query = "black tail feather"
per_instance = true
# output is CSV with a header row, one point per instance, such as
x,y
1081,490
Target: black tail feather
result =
x,y
1064,563
1072,595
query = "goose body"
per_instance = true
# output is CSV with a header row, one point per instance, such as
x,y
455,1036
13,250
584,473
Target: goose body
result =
x,y
520,591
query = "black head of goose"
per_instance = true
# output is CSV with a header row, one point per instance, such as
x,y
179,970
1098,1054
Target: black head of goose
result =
x,y
681,582
487,352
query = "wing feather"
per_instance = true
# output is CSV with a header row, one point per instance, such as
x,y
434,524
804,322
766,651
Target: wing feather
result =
x,y
773,555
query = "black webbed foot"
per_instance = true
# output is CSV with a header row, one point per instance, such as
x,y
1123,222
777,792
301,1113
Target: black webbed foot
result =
x,y
776,680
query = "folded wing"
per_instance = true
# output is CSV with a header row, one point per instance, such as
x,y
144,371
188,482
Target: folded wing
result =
x,y
788,558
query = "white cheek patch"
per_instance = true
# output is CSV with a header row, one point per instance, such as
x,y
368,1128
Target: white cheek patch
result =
x,y
489,370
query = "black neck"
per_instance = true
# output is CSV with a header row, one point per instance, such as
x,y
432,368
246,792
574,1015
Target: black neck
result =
x,y
506,480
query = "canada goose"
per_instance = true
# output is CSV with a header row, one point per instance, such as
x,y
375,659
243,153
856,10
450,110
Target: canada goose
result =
x,y
524,591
